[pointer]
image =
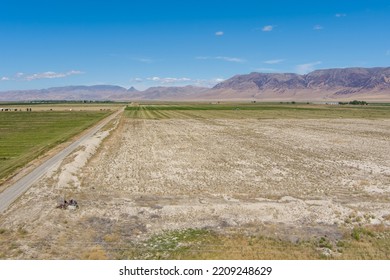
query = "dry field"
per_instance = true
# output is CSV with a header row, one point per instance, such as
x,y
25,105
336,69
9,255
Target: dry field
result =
x,y
286,179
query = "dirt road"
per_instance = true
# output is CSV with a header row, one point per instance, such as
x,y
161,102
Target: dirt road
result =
x,y
12,193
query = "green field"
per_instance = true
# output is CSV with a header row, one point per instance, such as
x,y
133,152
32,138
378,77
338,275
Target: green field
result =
x,y
257,111
26,135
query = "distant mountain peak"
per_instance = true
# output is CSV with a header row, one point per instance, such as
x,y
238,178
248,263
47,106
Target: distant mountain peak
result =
x,y
132,89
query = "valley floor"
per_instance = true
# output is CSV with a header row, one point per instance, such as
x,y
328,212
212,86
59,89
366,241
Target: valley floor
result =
x,y
285,179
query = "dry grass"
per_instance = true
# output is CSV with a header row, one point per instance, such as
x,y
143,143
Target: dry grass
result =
x,y
96,253
374,243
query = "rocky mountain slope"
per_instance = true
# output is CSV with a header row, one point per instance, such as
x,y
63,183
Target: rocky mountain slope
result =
x,y
326,84
319,84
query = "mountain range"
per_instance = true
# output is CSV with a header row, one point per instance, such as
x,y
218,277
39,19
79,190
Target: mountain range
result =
x,y
326,84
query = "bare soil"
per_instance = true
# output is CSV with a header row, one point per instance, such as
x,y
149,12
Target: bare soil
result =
x,y
289,178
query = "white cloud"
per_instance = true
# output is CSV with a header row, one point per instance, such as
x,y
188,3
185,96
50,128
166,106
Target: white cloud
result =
x,y
225,58
165,81
339,15
230,59
47,75
307,67
219,33
155,79
318,27
74,72
137,80
20,76
44,75
208,83
218,80
274,61
168,80
267,28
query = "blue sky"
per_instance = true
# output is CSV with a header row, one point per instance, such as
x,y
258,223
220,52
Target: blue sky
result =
x,y
174,43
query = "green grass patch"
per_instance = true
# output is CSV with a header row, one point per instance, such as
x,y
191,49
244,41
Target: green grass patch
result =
x,y
26,135
358,233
